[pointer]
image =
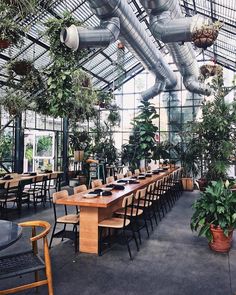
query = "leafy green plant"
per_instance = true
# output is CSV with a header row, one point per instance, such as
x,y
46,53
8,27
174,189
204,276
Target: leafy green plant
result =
x,y
69,92
216,206
141,141
14,102
79,140
114,115
10,30
214,135
6,144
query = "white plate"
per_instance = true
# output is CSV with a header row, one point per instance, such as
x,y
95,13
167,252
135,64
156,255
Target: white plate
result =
x,y
121,183
90,196
107,189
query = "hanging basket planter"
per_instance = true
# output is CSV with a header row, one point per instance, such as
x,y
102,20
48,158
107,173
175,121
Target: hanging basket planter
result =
x,y
4,43
210,70
22,67
205,36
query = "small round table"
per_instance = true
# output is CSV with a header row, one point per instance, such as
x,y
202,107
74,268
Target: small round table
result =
x,y
10,232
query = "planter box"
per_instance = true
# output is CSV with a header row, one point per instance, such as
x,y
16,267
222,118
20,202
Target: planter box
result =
x,y
187,184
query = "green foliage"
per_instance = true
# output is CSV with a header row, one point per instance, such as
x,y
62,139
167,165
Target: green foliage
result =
x,y
214,135
9,29
29,151
69,92
6,143
104,145
141,142
216,206
14,102
114,115
44,146
79,140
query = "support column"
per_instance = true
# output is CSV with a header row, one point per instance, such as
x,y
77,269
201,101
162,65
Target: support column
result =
x,y
19,145
65,150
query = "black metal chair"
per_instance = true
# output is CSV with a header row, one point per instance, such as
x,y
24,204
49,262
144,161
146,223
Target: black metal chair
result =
x,y
10,194
67,219
117,223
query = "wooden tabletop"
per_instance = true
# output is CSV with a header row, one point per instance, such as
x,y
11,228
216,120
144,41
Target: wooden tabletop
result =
x,y
106,201
21,177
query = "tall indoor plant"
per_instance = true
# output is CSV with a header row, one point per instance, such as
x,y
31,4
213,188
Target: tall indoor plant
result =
x,y
214,135
141,141
215,215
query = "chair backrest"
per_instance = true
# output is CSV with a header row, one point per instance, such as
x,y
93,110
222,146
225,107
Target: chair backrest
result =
x,y
141,193
59,195
150,191
14,175
128,201
39,178
11,184
142,169
129,173
120,176
136,172
96,183
110,179
80,188
53,176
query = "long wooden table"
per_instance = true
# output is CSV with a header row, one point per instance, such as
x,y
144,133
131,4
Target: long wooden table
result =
x,y
94,210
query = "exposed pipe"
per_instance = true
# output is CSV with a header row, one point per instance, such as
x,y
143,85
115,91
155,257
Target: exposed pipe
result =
x,y
79,37
136,39
161,12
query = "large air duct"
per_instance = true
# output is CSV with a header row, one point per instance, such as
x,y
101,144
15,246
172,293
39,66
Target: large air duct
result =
x,y
163,15
102,36
136,39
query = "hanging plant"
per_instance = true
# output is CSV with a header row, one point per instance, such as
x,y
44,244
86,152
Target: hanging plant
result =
x,y
210,70
14,102
24,8
20,67
114,115
69,91
10,32
205,36
104,99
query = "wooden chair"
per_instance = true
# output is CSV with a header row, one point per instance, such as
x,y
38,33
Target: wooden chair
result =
x,y
136,172
118,224
110,179
79,189
37,191
52,184
72,219
142,169
129,173
96,183
15,265
120,176
9,194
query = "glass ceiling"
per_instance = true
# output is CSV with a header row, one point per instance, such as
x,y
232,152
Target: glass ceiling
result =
x,y
104,65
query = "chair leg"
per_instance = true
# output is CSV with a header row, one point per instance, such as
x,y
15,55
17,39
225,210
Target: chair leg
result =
x,y
76,239
64,228
146,226
134,236
53,231
127,243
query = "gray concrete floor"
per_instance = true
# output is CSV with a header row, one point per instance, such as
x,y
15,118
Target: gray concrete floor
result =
x,y
173,261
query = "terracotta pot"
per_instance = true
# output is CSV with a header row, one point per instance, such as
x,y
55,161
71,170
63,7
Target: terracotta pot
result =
x,y
187,184
202,184
220,242
4,44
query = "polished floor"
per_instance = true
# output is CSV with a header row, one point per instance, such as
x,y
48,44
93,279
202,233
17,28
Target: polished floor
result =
x,y
173,261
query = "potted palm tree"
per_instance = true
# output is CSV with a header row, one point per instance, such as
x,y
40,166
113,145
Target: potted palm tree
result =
x,y
215,215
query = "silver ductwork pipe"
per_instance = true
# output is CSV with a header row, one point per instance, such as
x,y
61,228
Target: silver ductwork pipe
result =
x,y
163,12
102,36
136,39
157,88
175,30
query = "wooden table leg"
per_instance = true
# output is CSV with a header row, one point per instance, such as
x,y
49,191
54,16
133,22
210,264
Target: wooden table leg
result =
x,y
88,235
